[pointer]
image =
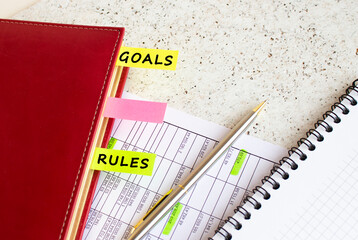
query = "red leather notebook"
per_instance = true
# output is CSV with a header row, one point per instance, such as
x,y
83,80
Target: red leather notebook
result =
x,y
54,82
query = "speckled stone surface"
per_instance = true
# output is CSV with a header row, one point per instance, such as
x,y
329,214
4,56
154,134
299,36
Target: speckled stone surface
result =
x,y
300,55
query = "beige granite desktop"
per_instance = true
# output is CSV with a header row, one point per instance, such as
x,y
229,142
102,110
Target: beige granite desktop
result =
x,y
300,55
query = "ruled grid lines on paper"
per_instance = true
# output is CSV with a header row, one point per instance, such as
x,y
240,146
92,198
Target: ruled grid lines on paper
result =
x,y
122,199
338,197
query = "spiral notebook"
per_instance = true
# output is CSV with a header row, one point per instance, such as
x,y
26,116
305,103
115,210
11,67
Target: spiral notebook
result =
x,y
313,192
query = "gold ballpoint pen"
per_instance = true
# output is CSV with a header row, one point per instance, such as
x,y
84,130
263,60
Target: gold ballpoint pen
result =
x,y
167,202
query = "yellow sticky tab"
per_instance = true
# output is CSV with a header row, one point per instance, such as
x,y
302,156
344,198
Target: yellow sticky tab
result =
x,y
123,161
147,58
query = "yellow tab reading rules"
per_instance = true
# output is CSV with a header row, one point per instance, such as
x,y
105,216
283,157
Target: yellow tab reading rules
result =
x,y
123,161
147,58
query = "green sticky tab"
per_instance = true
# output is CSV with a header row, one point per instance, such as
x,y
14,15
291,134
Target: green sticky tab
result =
x,y
141,163
111,143
173,218
238,163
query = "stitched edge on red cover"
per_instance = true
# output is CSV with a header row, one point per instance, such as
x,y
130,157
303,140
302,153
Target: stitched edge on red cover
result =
x,y
59,25
100,97
90,133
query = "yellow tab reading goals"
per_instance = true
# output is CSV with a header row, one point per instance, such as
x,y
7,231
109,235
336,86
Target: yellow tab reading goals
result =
x,y
147,58
123,161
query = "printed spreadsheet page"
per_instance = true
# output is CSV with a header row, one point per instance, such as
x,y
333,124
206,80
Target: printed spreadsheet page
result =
x,y
180,142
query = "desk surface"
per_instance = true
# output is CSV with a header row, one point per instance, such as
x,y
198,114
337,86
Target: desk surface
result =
x,y
10,8
300,55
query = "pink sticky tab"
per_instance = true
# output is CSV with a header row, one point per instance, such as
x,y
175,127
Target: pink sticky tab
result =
x,y
135,110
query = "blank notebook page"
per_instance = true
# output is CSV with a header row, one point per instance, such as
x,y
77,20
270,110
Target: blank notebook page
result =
x,y
319,200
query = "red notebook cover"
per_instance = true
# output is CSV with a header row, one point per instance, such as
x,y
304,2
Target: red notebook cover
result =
x,y
54,80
